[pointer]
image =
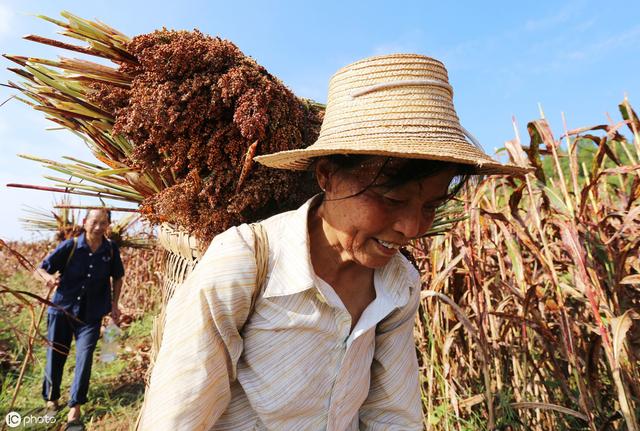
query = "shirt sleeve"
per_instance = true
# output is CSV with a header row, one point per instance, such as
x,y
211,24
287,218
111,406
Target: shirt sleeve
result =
x,y
117,268
394,400
189,386
57,260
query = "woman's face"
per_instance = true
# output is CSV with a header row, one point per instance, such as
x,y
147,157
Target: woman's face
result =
x,y
369,228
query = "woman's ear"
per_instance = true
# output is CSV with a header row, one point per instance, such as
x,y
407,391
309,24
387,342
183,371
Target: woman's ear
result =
x,y
324,171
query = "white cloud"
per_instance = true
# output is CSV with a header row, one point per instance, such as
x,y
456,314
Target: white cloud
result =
x,y
581,55
585,25
559,16
594,51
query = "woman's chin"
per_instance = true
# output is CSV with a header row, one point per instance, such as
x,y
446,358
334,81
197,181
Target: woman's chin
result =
x,y
377,257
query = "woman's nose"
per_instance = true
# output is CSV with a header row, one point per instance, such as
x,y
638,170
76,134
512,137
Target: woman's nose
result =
x,y
412,222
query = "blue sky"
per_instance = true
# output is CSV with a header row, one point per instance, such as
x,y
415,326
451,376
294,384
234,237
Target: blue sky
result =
x,y
576,57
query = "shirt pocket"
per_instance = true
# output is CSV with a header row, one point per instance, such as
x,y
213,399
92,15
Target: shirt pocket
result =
x,y
102,267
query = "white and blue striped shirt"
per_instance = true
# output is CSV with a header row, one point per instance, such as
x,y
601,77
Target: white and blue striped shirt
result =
x,y
293,363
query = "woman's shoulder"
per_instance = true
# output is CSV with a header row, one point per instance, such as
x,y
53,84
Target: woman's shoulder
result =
x,y
241,237
235,238
278,220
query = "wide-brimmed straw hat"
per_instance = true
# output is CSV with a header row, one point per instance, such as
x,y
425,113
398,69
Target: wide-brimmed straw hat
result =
x,y
398,105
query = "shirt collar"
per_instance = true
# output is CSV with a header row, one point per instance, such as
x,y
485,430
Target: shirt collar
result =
x,y
397,279
82,243
293,272
292,269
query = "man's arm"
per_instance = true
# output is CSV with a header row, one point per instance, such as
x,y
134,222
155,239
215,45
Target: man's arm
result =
x,y
117,277
116,288
50,268
51,280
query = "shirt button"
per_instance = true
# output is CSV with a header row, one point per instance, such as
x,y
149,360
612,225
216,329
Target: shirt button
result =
x,y
82,287
90,266
90,254
88,275
78,298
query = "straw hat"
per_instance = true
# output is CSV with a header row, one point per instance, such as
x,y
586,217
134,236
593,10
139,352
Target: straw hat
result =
x,y
398,105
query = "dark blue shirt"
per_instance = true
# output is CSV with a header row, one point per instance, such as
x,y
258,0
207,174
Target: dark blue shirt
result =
x,y
85,285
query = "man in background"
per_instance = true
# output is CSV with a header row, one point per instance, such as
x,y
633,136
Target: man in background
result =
x,y
86,273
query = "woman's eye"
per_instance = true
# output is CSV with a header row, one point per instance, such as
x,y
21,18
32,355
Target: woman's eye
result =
x,y
433,206
393,201
430,210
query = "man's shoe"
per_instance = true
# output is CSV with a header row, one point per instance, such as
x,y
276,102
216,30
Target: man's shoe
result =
x,y
74,425
51,409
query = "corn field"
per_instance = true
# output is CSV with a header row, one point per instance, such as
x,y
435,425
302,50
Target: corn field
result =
x,y
529,317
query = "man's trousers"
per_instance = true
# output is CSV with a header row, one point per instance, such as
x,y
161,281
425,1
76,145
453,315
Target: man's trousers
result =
x,y
61,330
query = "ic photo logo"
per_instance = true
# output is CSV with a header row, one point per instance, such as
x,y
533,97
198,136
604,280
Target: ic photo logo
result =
x,y
13,419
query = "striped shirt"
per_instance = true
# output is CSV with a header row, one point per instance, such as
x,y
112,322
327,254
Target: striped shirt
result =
x,y
293,363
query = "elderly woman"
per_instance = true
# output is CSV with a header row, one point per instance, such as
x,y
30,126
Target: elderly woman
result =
x,y
323,340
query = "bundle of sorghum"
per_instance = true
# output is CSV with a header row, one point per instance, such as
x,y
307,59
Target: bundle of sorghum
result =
x,y
197,111
177,124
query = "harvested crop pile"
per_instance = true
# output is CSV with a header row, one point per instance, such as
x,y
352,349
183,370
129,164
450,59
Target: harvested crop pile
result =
x,y
197,111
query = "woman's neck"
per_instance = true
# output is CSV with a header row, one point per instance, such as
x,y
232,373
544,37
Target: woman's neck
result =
x,y
327,257
353,283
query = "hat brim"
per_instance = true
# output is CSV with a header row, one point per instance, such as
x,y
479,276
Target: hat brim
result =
x,y
302,159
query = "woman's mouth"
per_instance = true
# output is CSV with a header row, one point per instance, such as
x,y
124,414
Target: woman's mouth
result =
x,y
388,247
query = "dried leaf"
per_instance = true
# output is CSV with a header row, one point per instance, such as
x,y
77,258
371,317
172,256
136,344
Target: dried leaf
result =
x,y
586,129
515,152
631,279
23,261
540,133
548,406
630,115
627,223
619,327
